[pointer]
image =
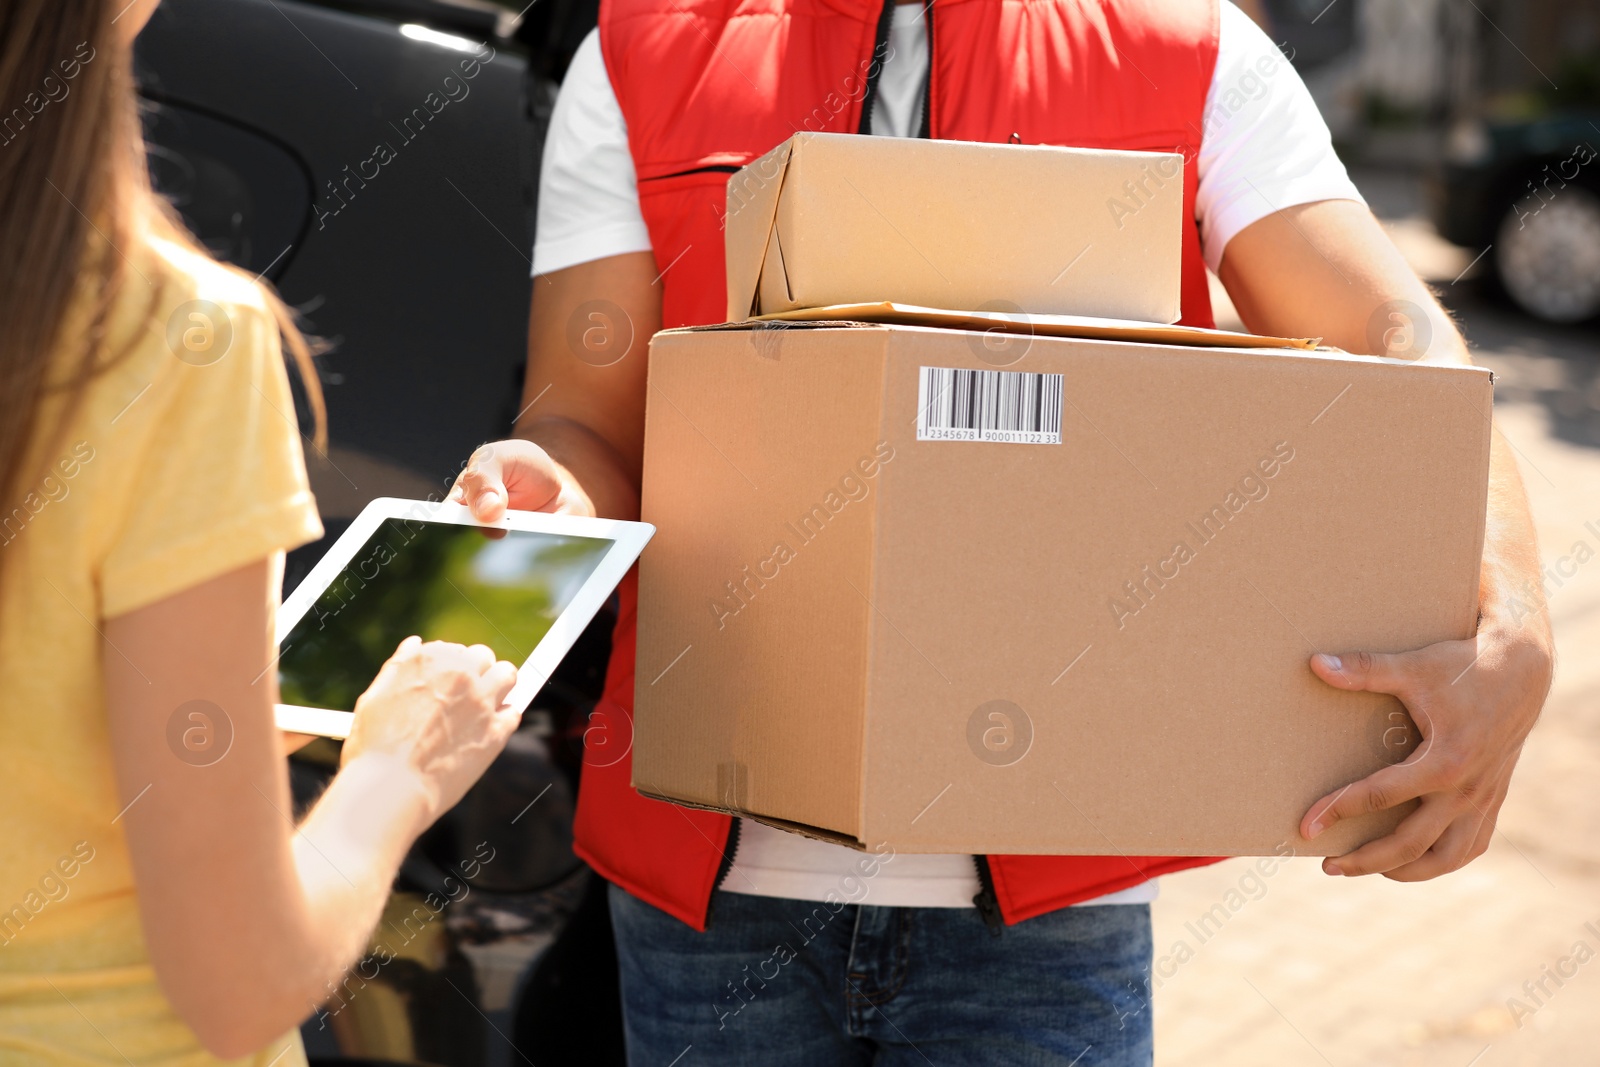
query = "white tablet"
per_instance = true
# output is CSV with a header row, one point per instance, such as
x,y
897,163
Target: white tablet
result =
x,y
525,586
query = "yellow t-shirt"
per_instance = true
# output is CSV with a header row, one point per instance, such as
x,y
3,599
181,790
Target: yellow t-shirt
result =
x,y
182,463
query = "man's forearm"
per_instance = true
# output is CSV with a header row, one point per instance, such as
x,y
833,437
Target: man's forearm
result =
x,y
1511,590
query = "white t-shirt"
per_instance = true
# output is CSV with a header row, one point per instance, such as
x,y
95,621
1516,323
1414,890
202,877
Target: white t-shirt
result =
x,y
1265,147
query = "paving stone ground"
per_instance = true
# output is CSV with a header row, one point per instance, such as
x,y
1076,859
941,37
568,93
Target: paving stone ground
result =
x,y
1307,969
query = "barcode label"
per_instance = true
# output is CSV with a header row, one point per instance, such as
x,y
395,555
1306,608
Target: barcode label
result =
x,y
988,405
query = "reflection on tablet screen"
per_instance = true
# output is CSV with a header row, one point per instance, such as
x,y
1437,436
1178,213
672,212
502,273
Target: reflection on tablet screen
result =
x,y
476,586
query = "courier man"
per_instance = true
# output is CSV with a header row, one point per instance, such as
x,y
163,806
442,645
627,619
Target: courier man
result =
x,y
756,946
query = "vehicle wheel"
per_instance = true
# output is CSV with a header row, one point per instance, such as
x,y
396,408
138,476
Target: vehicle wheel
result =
x,y
1548,255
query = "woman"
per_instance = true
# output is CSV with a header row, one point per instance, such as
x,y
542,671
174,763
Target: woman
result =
x,y
156,907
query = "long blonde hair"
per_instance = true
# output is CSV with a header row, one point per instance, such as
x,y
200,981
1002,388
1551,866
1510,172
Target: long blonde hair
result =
x,y
72,168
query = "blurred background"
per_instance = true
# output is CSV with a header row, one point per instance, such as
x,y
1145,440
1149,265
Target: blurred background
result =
x,y
1471,126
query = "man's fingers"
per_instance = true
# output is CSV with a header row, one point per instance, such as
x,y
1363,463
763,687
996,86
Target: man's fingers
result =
x,y
1480,818
1455,848
1409,842
508,474
481,487
1381,790
1485,834
1374,672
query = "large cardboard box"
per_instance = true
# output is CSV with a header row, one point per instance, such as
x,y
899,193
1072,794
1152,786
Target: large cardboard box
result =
x,y
828,219
1078,624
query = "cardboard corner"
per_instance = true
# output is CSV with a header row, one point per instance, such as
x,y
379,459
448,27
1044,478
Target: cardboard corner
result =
x,y
729,806
816,833
752,210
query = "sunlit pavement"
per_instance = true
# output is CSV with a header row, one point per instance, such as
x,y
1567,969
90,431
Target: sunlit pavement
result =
x,y
1493,965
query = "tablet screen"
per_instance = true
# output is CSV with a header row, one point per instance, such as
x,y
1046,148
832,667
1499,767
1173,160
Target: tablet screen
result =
x,y
440,581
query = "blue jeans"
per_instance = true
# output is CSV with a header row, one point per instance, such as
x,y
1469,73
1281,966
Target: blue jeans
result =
x,y
794,983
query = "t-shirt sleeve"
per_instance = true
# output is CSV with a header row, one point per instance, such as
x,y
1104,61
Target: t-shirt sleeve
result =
x,y
219,480
588,196
1265,146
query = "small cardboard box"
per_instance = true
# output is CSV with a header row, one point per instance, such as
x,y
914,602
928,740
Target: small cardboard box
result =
x,y
829,219
1055,598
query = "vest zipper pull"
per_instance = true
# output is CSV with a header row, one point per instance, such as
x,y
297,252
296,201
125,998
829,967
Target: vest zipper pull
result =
x,y
986,902
989,908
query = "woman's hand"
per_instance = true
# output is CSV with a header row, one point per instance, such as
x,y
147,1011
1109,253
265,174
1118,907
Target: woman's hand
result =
x,y
434,712
250,915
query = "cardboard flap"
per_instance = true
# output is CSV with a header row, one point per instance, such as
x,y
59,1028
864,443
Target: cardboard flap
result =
x,y
817,833
772,290
772,325
752,209
1040,325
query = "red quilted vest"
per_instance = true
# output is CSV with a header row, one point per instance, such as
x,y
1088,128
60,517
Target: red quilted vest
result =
x,y
708,85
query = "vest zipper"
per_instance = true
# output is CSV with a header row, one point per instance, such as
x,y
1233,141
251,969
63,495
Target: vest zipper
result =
x,y
875,66
719,168
728,849
986,902
926,133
